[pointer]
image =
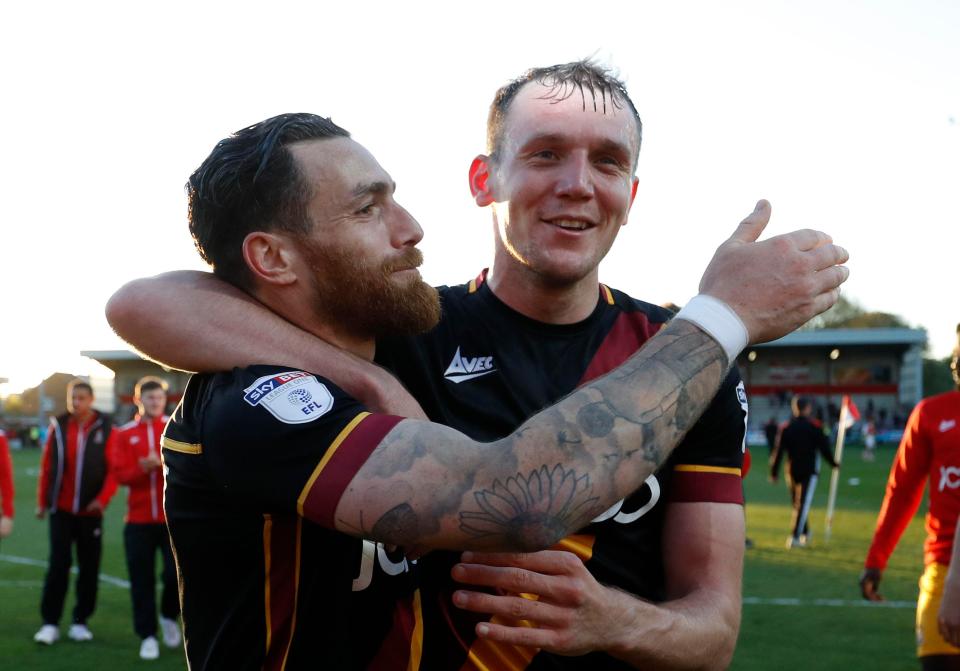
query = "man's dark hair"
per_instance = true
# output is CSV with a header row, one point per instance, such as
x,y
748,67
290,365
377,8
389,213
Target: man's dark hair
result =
x,y
596,84
801,404
79,384
251,182
148,383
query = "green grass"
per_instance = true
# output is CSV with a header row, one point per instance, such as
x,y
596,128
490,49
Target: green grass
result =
x,y
772,637
812,636
115,646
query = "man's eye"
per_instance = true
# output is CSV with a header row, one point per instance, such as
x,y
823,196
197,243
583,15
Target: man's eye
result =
x,y
368,209
545,154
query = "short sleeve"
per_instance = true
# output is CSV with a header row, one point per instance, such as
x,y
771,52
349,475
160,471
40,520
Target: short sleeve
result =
x,y
706,466
287,441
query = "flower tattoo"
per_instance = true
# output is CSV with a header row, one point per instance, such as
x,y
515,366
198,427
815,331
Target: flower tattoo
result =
x,y
546,500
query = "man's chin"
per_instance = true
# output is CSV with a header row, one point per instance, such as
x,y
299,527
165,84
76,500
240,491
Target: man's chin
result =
x,y
413,308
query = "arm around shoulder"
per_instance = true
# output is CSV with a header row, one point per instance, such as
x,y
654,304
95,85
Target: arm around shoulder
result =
x,y
194,321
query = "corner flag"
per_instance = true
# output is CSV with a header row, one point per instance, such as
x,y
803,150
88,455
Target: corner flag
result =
x,y
849,414
853,413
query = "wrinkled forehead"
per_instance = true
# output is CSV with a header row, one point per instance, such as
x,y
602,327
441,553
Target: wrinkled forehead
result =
x,y
572,111
334,167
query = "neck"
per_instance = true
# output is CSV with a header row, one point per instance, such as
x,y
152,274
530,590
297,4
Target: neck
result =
x,y
303,315
537,297
83,418
361,346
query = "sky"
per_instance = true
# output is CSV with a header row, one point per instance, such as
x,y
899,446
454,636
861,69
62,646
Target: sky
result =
x,y
844,114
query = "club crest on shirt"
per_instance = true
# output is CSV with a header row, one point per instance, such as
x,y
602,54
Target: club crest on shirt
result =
x,y
294,397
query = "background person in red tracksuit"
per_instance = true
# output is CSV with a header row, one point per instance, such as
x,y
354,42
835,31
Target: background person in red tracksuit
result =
x,y
929,452
135,453
75,486
6,488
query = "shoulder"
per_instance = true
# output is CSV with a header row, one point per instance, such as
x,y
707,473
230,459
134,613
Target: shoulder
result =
x,y
948,401
656,314
246,404
457,292
126,428
262,387
104,419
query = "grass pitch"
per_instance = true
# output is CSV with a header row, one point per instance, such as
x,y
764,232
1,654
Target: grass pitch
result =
x,y
802,607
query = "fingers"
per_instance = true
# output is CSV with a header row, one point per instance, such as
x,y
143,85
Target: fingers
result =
x,y
511,579
949,631
826,284
511,607
828,255
529,637
752,226
553,562
807,239
870,593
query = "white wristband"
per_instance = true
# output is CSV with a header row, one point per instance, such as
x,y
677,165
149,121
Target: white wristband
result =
x,y
719,320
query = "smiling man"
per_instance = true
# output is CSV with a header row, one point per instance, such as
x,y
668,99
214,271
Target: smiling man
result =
x,y
558,175
516,339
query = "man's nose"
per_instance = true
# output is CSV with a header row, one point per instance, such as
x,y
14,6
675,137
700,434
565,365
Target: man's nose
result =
x,y
575,179
405,231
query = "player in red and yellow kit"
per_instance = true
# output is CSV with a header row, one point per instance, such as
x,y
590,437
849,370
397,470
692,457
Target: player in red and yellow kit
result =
x,y
930,449
6,488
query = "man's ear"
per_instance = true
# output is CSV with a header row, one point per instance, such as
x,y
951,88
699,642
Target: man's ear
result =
x,y
633,194
480,180
269,257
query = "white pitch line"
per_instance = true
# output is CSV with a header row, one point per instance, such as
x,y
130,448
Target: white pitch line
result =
x,y
27,561
830,603
21,583
747,600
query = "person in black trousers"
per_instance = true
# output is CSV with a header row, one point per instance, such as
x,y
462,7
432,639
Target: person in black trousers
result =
x,y
135,459
75,487
801,440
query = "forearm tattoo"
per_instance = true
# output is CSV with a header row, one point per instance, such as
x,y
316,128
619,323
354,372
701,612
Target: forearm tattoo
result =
x,y
559,470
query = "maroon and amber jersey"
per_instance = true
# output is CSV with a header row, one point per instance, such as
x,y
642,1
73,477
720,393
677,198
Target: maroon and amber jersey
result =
x,y
484,370
929,452
256,461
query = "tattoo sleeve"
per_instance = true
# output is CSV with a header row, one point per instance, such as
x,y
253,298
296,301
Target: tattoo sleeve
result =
x,y
429,485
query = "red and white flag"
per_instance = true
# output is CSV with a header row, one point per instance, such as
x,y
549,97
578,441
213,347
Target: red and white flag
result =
x,y
849,413
853,413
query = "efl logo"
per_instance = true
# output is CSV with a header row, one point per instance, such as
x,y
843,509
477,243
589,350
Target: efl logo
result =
x,y
293,398
949,477
263,386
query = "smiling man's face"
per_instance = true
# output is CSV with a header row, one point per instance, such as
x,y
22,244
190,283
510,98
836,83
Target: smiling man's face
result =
x,y
562,182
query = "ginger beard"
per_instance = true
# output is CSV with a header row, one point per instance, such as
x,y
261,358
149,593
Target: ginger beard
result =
x,y
366,299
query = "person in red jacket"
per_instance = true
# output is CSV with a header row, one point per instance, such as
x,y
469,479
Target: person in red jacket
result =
x,y
6,488
75,487
135,450
929,451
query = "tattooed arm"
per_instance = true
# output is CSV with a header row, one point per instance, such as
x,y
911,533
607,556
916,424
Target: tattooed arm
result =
x,y
431,486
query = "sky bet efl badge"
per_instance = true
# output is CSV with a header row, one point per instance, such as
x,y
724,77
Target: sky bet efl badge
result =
x,y
293,398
